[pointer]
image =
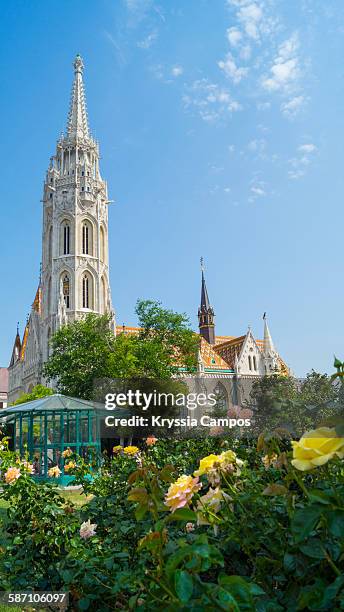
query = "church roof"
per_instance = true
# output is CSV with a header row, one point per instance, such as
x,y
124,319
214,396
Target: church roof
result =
x,y
230,349
211,359
37,303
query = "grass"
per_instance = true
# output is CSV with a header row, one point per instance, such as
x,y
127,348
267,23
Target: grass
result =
x,y
76,497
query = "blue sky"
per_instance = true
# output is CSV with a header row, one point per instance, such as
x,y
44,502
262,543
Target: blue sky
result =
x,y
221,128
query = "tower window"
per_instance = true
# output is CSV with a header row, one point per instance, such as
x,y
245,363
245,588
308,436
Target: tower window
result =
x,y
50,195
85,239
85,292
250,362
66,239
254,362
66,290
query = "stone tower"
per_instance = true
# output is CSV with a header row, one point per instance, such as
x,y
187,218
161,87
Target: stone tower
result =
x,y
75,264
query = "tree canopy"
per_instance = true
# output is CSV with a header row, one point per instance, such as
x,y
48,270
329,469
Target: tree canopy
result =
x,y
37,392
87,349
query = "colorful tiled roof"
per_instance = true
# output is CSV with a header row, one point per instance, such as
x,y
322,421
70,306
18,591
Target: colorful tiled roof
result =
x,y
210,358
230,349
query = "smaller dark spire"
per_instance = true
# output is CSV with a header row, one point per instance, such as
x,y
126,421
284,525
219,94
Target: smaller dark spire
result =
x,y
206,313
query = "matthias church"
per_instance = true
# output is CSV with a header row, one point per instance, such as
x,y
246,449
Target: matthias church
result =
x,y
74,277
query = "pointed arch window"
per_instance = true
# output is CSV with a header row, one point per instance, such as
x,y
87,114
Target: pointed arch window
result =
x,y
87,291
250,362
254,363
102,244
50,244
102,295
49,297
48,342
87,247
66,290
66,239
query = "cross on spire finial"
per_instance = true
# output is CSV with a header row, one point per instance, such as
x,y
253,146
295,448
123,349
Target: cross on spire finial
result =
x,y
78,64
202,264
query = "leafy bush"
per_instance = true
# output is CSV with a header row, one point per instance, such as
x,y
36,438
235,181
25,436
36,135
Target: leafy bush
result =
x,y
186,525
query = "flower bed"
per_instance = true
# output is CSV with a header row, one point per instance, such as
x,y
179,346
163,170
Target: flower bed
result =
x,y
199,525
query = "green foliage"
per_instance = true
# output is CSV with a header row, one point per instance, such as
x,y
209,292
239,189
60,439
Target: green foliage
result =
x,y
87,350
282,401
37,392
274,542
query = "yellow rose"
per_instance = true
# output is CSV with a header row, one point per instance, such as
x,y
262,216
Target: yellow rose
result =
x,y
206,464
181,492
117,449
131,450
54,472
67,453
12,474
316,447
223,461
70,466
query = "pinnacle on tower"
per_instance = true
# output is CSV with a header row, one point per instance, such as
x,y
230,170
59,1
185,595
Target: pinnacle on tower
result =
x,y
269,348
206,313
77,125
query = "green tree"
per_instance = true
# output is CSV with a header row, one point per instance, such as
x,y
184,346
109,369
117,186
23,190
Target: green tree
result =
x,y
87,350
81,352
37,392
282,401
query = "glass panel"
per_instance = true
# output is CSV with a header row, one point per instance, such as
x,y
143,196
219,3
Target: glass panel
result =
x,y
25,434
83,421
93,427
70,428
37,431
17,425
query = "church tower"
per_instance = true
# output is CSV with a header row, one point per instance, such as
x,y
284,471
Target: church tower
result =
x,y
75,264
206,314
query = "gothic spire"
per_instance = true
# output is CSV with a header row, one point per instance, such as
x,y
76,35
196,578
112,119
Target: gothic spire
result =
x,y
16,348
269,348
206,313
77,125
204,293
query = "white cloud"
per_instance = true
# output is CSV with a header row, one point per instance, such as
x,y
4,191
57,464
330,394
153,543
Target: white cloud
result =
x,y
147,42
245,52
231,69
285,70
258,191
250,15
211,101
300,163
307,148
177,71
227,190
296,174
234,36
293,106
263,106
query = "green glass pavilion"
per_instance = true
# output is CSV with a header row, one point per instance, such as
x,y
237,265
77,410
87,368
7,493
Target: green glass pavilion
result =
x,y
46,427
